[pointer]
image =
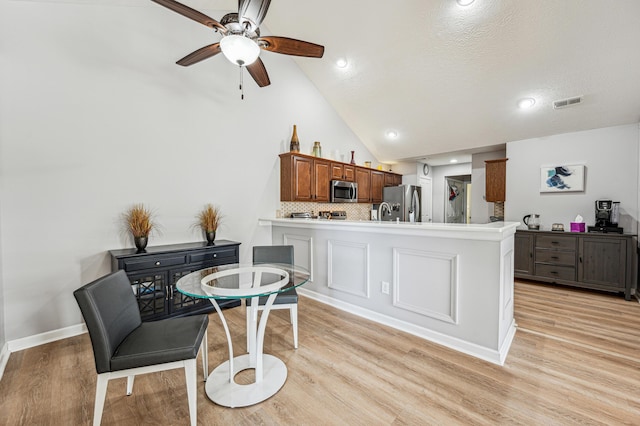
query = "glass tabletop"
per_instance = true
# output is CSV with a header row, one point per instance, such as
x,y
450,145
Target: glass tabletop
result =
x,y
242,281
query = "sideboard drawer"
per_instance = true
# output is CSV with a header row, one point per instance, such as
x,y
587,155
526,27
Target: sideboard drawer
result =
x,y
555,271
219,255
559,242
556,257
157,262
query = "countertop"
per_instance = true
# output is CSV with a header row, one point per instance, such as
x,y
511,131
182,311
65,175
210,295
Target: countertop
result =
x,y
487,231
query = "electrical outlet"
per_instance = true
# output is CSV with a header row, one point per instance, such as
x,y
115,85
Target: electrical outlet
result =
x,y
385,287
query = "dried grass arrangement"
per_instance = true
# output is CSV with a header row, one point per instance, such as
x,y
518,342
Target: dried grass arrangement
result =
x,y
209,218
139,220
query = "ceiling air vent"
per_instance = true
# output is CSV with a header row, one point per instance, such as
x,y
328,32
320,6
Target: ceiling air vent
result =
x,y
564,103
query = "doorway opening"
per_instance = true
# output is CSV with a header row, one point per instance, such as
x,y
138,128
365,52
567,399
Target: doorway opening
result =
x,y
457,203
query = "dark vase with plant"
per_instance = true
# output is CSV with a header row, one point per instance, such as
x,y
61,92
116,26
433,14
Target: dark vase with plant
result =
x,y
208,220
140,224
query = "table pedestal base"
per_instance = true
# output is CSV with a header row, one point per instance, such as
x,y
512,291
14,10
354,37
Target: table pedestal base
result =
x,y
230,394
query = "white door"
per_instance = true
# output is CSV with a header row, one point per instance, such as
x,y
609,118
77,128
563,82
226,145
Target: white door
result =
x,y
427,198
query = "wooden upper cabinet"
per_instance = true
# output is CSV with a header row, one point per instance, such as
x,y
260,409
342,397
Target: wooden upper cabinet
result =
x,y
308,179
337,171
304,178
349,173
496,180
363,179
392,179
340,171
321,179
377,183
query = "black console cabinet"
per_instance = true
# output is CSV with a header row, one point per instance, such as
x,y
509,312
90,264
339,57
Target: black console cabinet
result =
x,y
154,273
597,261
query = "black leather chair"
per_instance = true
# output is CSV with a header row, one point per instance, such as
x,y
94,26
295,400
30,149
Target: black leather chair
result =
x,y
284,300
124,346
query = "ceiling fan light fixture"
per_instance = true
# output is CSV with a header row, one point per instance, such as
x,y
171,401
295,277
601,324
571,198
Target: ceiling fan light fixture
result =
x,y
341,63
465,2
239,50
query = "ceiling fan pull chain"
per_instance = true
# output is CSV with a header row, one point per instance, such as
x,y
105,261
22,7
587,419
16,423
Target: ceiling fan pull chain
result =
x,y
241,85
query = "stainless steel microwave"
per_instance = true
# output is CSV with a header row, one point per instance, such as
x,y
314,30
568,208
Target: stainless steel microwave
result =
x,y
344,192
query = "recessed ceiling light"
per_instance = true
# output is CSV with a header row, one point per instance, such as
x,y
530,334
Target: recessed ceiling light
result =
x,y
453,160
341,63
465,2
526,103
392,134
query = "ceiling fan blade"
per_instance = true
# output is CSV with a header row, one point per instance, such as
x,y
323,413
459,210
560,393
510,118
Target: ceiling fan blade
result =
x,y
252,12
290,46
192,14
259,73
200,55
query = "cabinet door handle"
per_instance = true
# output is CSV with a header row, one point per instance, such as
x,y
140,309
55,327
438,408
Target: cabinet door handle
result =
x,y
580,258
158,263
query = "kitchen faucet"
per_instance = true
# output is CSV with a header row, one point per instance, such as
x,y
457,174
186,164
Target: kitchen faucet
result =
x,y
383,205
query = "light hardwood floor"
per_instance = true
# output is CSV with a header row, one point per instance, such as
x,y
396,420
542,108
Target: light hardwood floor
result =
x,y
575,360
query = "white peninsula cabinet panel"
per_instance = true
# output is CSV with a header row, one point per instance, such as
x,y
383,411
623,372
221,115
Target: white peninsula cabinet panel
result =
x,y
348,267
426,283
448,283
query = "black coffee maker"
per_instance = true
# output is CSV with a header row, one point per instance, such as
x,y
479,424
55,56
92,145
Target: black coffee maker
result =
x,y
607,215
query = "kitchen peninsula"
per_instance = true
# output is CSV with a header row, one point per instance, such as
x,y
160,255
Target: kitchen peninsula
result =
x,y
448,283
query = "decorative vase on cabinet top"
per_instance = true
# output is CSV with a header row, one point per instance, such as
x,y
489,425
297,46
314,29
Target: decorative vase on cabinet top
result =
x,y
294,146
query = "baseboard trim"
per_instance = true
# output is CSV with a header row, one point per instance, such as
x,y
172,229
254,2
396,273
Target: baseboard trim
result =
x,y
47,337
487,354
4,358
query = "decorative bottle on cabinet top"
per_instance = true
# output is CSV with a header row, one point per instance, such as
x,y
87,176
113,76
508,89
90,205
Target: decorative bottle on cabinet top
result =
x,y
295,143
317,149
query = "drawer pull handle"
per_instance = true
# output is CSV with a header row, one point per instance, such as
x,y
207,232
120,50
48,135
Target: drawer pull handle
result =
x,y
215,254
554,272
554,257
158,263
555,242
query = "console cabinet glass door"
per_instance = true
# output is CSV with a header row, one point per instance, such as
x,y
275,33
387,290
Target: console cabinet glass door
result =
x,y
181,303
152,292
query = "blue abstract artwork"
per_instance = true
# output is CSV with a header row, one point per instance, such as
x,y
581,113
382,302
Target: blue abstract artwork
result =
x,y
564,178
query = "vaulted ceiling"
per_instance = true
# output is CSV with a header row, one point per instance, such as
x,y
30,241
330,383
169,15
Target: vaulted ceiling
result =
x,y
448,78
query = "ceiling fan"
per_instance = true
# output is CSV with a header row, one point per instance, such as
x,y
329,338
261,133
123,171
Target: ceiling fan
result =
x,y
241,41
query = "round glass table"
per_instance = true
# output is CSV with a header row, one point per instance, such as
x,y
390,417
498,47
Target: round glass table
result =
x,y
239,281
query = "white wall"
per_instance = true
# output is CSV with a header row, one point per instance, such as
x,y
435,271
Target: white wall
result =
x,y
610,156
439,173
96,116
3,338
480,209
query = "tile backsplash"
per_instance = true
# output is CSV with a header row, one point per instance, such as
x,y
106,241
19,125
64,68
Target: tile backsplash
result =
x,y
355,211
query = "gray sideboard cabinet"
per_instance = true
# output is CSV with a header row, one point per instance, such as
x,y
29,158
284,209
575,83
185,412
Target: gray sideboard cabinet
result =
x,y
605,262
154,273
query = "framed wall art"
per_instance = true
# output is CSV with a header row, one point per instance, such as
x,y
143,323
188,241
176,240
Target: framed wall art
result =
x,y
568,178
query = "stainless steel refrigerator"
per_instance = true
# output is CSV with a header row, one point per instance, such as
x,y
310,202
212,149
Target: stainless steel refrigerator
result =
x,y
404,203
